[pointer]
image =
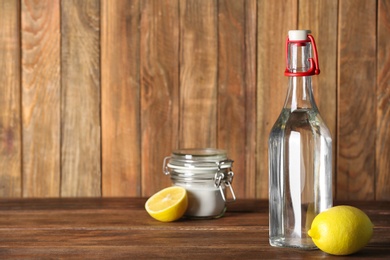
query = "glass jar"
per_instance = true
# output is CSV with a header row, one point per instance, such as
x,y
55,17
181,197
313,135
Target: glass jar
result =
x,y
205,174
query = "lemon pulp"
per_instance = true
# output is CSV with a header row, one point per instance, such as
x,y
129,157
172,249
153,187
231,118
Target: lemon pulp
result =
x,y
341,230
168,204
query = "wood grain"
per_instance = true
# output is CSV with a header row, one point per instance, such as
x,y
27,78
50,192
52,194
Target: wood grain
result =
x,y
114,228
233,90
121,137
356,100
319,17
10,106
274,20
40,48
95,93
250,99
80,99
159,64
382,181
198,73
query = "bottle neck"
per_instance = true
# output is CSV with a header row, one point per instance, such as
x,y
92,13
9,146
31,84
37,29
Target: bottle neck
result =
x,y
300,94
300,89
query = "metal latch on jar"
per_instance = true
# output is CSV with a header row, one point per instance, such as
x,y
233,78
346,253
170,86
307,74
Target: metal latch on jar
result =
x,y
221,178
165,166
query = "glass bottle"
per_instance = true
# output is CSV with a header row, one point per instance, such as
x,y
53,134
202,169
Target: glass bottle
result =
x,y
300,152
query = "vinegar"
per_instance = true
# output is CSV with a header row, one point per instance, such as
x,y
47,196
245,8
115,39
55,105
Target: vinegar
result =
x,y
300,183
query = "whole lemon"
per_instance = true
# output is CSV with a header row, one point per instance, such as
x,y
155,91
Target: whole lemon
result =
x,y
341,230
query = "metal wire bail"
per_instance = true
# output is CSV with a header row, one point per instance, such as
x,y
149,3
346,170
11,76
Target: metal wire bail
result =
x,y
220,179
165,166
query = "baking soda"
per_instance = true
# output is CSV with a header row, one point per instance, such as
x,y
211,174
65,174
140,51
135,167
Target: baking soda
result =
x,y
204,201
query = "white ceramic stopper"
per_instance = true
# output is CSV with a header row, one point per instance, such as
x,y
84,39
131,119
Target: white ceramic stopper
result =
x,y
298,35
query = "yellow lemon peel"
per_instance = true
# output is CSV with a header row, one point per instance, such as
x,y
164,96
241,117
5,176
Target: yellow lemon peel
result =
x,y
341,230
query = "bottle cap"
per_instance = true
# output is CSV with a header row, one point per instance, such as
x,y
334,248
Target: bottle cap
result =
x,y
300,38
298,35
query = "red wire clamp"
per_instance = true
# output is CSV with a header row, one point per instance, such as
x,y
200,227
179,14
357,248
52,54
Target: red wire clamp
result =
x,y
314,66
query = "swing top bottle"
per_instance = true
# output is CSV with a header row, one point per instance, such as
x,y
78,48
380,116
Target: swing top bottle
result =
x,y
300,152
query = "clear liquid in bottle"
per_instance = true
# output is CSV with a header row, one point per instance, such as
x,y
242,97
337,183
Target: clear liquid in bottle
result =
x,y
300,186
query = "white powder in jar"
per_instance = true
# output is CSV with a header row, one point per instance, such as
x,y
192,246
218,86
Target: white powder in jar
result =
x,y
204,201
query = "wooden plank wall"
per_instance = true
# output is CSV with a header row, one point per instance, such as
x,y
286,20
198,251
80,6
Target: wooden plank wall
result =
x,y
95,93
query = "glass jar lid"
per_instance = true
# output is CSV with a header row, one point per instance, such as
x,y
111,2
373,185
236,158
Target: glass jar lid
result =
x,y
199,158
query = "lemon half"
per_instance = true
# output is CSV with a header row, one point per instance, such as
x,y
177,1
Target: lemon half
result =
x,y
341,230
168,205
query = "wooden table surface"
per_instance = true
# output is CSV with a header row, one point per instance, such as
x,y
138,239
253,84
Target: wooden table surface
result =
x,y
120,228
